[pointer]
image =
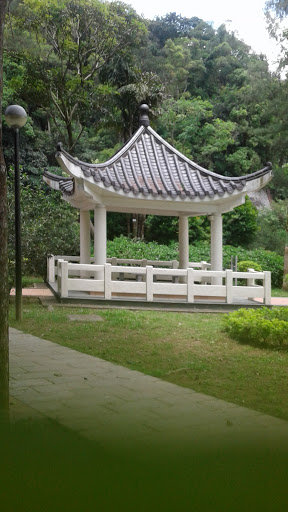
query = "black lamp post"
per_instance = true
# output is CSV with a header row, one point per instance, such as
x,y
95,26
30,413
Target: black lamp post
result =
x,y
16,117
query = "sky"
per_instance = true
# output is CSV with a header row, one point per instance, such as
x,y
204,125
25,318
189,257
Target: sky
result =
x,y
246,18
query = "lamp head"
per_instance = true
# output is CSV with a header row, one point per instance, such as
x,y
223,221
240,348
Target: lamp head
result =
x,y
15,116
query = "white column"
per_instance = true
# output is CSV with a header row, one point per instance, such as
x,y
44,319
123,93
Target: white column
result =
x,y
84,240
84,236
100,237
216,245
183,242
216,242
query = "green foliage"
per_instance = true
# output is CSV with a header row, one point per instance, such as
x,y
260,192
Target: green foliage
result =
x,y
73,40
272,225
116,224
137,249
242,266
161,229
263,326
267,260
177,65
48,226
240,225
279,184
122,247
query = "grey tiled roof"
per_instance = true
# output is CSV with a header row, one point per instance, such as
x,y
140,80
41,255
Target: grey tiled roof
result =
x,y
65,185
148,165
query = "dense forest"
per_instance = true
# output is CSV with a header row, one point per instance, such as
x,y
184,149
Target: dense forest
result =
x,y
82,68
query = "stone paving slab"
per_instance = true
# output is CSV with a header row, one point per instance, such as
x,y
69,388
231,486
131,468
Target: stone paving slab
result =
x,y
110,403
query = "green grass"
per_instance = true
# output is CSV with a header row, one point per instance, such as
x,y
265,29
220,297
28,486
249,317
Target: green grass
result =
x,y
278,292
47,467
28,281
191,350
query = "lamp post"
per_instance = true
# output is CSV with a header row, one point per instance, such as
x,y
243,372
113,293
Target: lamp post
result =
x,y
16,117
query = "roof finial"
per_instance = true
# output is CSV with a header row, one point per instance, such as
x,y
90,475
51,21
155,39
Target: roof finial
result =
x,y
144,118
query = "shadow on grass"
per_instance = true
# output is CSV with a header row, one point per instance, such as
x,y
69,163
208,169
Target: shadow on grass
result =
x,y
45,467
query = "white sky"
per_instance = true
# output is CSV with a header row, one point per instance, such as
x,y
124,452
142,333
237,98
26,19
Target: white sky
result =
x,y
245,17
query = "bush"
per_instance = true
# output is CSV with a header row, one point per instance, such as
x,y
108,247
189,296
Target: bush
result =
x,y
263,326
267,260
243,266
123,247
272,224
134,248
49,226
240,225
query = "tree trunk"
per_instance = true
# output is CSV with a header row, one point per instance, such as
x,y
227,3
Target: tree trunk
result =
x,y
286,260
4,294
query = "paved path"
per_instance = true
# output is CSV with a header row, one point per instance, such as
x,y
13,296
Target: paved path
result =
x,y
106,402
38,291
41,290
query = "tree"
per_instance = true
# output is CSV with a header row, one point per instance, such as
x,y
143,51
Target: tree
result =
x,y
272,226
177,65
73,41
49,226
4,296
240,225
276,11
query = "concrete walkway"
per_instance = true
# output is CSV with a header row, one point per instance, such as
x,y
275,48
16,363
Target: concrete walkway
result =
x,y
109,403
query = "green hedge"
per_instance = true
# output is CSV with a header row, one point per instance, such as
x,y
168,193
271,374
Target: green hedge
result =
x,y
122,247
243,266
263,326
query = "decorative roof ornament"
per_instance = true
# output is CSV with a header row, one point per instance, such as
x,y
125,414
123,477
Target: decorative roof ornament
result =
x,y
144,117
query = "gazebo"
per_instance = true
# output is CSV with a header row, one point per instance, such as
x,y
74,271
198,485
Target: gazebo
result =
x,y
149,176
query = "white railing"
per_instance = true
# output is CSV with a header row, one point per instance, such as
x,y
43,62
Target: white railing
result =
x,y
192,283
52,266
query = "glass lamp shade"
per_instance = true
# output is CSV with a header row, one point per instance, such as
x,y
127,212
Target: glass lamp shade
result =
x,y
15,116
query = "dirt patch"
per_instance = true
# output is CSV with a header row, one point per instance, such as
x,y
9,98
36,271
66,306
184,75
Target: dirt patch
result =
x,y
85,318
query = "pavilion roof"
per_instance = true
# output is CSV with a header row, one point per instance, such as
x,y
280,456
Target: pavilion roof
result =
x,y
149,166
150,175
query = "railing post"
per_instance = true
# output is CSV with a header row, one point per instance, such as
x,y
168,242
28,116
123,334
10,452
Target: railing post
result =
x,y
139,277
175,264
51,269
251,282
267,288
63,278
115,275
229,287
107,281
190,285
149,283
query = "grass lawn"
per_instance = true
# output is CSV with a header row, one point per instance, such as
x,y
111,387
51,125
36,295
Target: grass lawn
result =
x,y
278,292
188,349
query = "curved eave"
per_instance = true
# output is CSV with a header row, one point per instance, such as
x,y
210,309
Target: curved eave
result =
x,y
149,168
60,183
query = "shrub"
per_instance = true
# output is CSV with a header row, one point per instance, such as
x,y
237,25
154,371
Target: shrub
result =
x,y
243,266
240,225
270,261
272,224
263,326
49,226
267,260
123,247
